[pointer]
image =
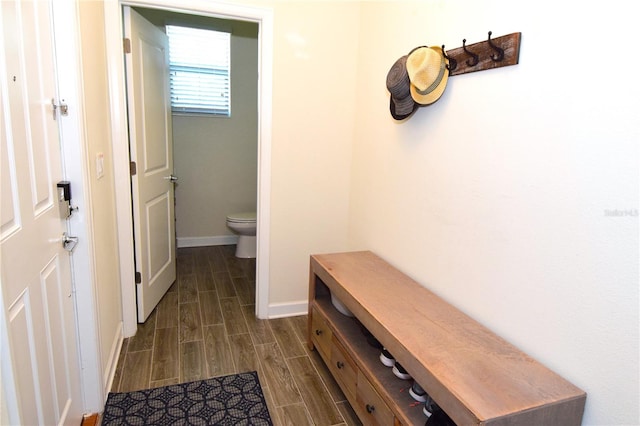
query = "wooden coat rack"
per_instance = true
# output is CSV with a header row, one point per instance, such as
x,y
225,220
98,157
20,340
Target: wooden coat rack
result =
x,y
491,53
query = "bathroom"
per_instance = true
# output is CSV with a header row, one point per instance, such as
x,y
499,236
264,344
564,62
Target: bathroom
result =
x,y
216,158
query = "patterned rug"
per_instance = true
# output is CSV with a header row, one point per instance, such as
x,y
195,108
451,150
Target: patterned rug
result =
x,y
230,400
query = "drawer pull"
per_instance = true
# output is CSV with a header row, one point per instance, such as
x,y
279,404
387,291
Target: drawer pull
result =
x,y
370,408
339,364
318,332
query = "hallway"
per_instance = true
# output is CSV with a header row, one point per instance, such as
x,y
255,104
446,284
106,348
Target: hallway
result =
x,y
205,326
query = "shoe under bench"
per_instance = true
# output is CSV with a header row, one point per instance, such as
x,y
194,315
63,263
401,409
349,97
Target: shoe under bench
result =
x,y
475,376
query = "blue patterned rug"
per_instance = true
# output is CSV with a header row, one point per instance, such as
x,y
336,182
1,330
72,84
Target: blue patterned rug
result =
x,y
230,400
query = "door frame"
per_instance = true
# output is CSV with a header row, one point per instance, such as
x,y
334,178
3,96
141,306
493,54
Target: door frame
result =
x,y
73,150
120,140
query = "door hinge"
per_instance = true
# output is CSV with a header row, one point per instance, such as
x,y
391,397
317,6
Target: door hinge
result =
x,y
138,277
127,45
133,169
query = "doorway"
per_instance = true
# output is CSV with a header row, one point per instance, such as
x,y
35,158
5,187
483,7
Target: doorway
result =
x,y
212,155
264,18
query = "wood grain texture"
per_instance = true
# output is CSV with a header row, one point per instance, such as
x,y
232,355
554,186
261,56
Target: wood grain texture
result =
x,y
234,266
192,362
210,308
185,262
286,337
259,329
244,353
350,416
219,358
476,376
204,279
299,325
294,415
277,375
187,289
90,420
366,357
216,260
201,258
271,405
245,289
190,324
165,355
313,392
326,376
137,366
510,43
143,339
371,404
167,382
344,369
224,285
212,352
232,314
167,311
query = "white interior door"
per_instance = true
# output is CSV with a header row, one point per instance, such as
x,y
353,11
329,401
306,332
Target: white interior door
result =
x,y
152,150
40,367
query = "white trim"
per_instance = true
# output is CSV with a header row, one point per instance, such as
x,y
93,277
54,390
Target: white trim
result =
x,y
120,147
115,59
290,309
80,224
265,96
220,240
112,361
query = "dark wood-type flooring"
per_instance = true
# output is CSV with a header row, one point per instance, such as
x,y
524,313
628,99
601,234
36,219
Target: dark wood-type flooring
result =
x,y
205,326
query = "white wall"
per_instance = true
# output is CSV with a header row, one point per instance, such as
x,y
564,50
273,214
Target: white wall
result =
x,y
314,81
102,190
499,196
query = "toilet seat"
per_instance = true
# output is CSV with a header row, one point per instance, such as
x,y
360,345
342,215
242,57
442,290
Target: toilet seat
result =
x,y
244,224
242,217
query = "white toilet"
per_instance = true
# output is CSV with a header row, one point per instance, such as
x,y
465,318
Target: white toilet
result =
x,y
244,224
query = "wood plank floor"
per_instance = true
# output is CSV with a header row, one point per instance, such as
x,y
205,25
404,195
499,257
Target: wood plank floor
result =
x,y
205,326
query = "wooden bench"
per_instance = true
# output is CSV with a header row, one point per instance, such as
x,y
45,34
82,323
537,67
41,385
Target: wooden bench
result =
x,y
475,376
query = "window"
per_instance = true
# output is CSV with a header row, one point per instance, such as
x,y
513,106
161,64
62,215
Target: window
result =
x,y
199,71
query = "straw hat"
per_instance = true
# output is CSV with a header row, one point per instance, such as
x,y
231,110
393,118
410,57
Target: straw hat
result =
x,y
427,70
401,104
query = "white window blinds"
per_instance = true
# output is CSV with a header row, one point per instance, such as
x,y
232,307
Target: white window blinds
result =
x,y
199,71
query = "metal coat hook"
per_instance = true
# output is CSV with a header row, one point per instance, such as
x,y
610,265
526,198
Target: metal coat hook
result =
x,y
453,64
475,57
484,55
500,52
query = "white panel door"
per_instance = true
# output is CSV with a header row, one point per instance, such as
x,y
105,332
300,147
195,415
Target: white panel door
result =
x,y
38,312
152,150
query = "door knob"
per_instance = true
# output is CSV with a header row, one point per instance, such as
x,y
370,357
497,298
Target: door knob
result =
x,y
171,178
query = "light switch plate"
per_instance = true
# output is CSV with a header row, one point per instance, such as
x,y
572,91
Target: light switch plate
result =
x,y
99,165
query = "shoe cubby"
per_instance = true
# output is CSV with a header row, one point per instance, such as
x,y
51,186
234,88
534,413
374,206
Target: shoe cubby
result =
x,y
364,360
473,375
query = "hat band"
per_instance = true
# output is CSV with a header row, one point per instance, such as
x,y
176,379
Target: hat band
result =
x,y
436,82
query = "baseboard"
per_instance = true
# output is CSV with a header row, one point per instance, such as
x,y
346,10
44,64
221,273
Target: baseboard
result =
x,y
112,363
293,309
220,240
